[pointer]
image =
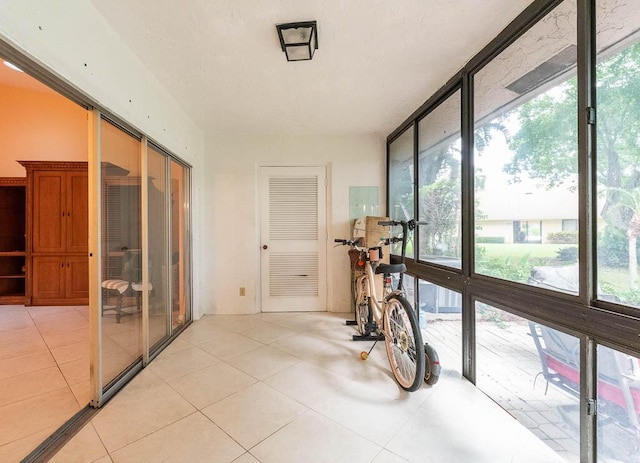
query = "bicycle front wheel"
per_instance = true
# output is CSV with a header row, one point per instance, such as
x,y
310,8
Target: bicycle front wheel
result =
x,y
404,343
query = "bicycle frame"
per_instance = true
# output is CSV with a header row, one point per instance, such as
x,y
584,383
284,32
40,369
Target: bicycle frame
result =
x,y
376,306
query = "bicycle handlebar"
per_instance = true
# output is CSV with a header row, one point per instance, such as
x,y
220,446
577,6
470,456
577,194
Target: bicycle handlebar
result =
x,y
411,224
353,243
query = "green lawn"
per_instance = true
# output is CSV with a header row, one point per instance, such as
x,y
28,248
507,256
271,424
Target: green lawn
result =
x,y
516,251
611,279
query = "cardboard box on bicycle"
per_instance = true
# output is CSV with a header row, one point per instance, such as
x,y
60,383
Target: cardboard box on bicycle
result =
x,y
368,229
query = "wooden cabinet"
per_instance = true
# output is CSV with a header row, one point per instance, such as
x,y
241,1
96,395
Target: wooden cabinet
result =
x,y
60,212
48,278
57,233
12,240
57,279
77,277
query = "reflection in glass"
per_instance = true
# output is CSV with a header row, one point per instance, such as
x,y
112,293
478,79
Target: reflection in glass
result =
x,y
121,250
401,183
439,199
158,245
180,245
533,372
408,283
618,406
525,157
618,148
440,316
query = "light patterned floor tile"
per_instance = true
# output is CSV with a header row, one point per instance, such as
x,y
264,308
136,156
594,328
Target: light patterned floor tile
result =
x,y
71,352
46,411
200,333
81,392
128,417
254,413
25,364
459,423
84,447
268,333
307,383
76,371
313,438
64,338
246,458
205,387
263,362
230,345
192,439
170,366
31,384
17,450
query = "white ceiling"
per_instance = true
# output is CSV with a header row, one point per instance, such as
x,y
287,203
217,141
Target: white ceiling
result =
x,y
377,60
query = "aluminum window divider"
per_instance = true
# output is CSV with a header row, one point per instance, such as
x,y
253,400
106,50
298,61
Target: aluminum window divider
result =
x,y
144,222
95,260
587,239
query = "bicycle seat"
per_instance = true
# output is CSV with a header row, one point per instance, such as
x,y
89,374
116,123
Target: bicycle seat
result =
x,y
391,268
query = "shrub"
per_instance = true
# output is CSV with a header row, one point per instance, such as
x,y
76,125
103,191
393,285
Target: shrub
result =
x,y
500,267
563,237
613,247
568,255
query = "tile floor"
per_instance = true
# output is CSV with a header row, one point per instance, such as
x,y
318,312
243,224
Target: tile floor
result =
x,y
291,388
44,374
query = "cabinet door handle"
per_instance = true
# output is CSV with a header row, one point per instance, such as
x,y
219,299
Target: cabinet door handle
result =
x,y
68,265
62,265
62,213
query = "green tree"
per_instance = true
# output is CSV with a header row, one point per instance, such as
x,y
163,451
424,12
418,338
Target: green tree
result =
x,y
545,147
440,212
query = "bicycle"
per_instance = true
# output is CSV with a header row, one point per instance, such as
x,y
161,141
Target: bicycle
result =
x,y
392,316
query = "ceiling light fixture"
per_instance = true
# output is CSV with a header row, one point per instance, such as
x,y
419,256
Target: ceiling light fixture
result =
x,y
298,40
12,66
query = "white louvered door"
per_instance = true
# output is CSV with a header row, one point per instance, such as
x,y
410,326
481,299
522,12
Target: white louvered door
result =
x,y
293,239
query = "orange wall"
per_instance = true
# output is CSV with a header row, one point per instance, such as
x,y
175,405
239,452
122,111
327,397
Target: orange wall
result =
x,y
39,126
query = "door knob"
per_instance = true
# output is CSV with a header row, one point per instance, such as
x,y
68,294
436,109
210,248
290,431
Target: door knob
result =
x,y
265,246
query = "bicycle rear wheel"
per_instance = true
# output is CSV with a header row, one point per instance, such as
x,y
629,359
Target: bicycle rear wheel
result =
x,y
404,343
361,304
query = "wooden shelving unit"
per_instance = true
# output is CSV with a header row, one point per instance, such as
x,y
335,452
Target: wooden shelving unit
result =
x,y
57,227
12,240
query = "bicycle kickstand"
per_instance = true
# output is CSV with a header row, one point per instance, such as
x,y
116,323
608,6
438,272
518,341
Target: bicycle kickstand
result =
x,y
365,355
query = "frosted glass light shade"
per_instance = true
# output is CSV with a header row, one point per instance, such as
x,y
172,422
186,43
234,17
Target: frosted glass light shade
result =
x,y
298,40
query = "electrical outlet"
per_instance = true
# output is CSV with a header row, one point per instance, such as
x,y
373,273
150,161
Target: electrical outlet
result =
x,y
242,290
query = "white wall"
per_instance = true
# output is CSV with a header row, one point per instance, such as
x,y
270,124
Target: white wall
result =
x,y
71,39
231,216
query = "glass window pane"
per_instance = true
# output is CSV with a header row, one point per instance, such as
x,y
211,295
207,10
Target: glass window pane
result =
x,y
533,372
180,245
439,176
158,246
618,406
408,283
525,157
618,148
441,323
401,183
121,253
